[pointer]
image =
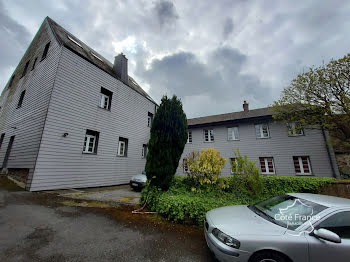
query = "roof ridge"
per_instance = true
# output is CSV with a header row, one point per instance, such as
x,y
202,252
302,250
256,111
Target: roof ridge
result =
x,y
229,113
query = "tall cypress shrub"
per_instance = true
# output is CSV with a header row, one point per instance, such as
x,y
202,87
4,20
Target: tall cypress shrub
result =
x,y
168,139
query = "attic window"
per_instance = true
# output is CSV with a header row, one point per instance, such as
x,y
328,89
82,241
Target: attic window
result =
x,y
74,41
93,54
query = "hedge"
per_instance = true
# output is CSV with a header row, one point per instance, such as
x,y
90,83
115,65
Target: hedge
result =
x,y
180,205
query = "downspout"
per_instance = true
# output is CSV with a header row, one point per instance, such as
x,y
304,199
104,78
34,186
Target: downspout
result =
x,y
329,152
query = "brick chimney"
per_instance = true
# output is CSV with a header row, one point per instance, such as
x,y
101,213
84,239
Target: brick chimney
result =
x,y
120,67
245,106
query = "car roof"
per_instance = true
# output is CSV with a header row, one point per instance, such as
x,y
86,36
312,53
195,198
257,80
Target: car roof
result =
x,y
325,200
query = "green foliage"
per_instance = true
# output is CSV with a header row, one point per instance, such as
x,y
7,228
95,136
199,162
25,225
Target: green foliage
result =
x,y
180,204
204,168
246,174
319,98
167,141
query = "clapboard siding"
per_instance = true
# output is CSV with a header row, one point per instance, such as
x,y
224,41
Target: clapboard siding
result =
x,y
26,123
279,146
73,109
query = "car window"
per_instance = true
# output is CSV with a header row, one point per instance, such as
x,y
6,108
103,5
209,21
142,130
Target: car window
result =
x,y
338,223
289,211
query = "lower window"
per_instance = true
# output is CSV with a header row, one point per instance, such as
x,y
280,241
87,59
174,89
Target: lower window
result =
x,y
185,166
267,165
302,165
123,146
91,142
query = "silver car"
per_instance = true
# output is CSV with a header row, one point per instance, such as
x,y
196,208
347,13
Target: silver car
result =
x,y
286,228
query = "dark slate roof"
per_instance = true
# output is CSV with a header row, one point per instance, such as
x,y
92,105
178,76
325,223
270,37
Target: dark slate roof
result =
x,y
230,117
86,52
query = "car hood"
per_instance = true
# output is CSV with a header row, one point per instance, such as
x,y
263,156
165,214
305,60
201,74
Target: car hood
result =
x,y
139,178
240,220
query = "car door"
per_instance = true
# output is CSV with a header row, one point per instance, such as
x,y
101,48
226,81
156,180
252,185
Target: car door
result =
x,y
323,250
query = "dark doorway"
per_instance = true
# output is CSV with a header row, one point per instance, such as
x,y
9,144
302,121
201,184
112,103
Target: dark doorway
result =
x,y
4,164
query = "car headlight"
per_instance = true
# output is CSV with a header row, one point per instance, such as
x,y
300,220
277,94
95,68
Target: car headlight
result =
x,y
226,239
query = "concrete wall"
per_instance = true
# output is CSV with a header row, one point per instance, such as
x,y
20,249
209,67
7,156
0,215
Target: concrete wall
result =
x,y
26,123
74,109
279,146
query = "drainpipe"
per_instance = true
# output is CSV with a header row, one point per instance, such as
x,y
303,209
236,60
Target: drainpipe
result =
x,y
330,152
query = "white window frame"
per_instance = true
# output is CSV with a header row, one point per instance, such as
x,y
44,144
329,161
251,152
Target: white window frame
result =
x,y
292,130
120,148
231,133
189,137
104,99
261,129
301,167
87,143
210,135
149,121
267,172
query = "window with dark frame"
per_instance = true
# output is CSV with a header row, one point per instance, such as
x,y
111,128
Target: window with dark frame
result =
x,y
208,135
20,101
34,63
149,119
46,49
25,69
106,99
144,151
185,165
123,147
189,136
91,142
302,165
267,165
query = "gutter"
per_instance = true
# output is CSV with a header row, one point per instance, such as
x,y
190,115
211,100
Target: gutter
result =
x,y
330,152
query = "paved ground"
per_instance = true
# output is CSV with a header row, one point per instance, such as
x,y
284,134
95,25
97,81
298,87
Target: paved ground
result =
x,y
119,194
38,227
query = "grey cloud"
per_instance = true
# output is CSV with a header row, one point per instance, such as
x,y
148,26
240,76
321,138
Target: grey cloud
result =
x,y
228,28
220,80
166,12
11,49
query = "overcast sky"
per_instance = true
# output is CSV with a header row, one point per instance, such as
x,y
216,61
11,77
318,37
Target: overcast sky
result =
x,y
212,54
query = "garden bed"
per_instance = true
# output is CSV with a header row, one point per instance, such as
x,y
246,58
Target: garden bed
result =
x,y
181,205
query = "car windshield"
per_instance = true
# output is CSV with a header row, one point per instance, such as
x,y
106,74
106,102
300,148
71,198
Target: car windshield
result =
x,y
288,211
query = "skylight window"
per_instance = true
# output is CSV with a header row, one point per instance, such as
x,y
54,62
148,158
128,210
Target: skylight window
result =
x,y
74,41
96,56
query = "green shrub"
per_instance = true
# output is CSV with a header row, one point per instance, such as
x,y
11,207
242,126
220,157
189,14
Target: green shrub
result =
x,y
167,141
246,174
180,204
204,168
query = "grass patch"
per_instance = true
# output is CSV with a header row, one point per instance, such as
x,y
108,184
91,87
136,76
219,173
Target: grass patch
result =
x,y
181,205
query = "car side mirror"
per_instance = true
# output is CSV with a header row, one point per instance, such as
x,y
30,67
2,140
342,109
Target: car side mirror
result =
x,y
327,235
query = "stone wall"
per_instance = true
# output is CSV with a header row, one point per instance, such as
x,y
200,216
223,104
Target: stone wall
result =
x,y
339,189
343,160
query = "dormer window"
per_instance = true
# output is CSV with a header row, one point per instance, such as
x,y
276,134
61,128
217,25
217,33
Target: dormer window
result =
x,y
25,69
74,41
94,55
46,49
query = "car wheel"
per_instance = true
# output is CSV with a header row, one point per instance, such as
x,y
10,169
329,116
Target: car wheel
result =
x,y
269,256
